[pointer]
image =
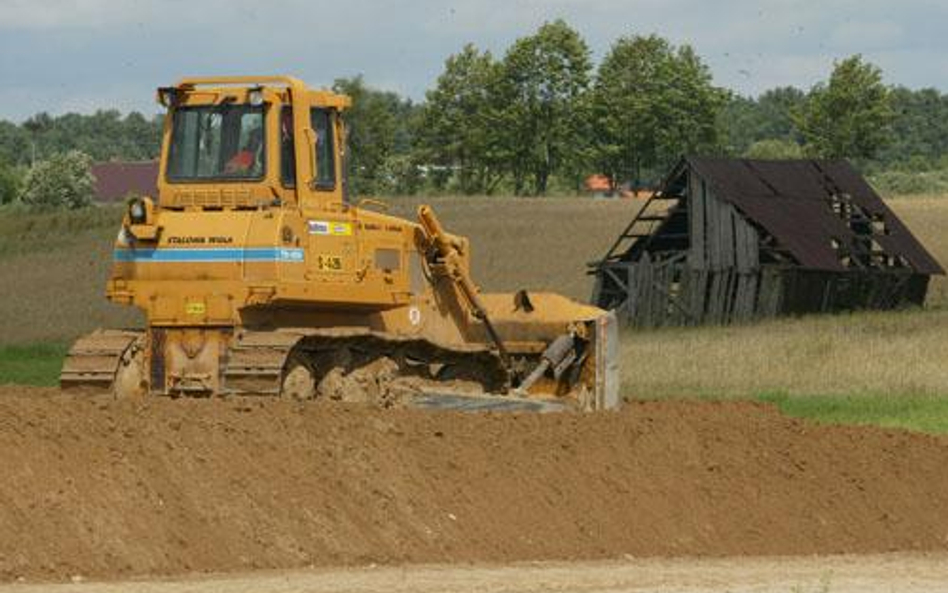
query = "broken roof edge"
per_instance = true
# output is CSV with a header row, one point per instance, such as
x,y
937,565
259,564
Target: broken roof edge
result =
x,y
820,175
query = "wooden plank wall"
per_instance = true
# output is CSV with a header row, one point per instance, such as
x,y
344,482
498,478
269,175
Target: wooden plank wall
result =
x,y
718,282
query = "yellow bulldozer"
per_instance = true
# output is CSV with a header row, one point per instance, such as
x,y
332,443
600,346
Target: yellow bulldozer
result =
x,y
259,275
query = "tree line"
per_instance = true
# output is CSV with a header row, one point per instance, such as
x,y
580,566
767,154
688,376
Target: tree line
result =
x,y
542,117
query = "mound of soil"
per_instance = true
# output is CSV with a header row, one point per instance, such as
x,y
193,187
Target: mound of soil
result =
x,y
104,489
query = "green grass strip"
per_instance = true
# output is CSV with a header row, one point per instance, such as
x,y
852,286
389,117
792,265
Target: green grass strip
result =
x,y
35,364
923,413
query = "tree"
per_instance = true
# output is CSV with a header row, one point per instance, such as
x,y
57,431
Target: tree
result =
x,y
747,121
776,108
104,135
774,149
850,116
63,181
10,181
378,126
14,144
740,120
919,129
37,126
652,102
456,131
542,112
400,174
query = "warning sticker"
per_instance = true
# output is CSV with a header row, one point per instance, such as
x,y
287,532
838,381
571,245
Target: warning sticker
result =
x,y
329,227
195,308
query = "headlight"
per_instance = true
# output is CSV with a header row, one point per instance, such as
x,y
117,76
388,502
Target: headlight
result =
x,y
255,96
137,212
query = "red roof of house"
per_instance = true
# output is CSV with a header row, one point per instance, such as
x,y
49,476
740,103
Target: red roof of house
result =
x,y
114,181
597,183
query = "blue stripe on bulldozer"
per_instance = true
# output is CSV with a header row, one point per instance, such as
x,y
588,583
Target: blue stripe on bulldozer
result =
x,y
209,255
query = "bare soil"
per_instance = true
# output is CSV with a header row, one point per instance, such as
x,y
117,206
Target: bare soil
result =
x,y
109,489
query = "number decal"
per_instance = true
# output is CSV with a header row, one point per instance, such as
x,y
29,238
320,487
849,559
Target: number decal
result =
x,y
329,263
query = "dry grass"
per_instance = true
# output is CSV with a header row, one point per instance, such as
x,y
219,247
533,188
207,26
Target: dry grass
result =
x,y
23,232
928,219
863,355
536,243
53,269
899,353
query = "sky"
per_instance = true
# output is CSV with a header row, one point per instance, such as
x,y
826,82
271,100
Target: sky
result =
x,y
82,55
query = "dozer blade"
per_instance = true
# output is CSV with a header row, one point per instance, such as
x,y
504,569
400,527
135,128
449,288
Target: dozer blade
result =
x,y
484,403
606,345
94,359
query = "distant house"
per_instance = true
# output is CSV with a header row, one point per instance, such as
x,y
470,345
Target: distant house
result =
x,y
730,240
114,181
598,185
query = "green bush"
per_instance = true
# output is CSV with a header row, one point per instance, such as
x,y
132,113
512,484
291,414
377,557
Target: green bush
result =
x,y
400,175
901,182
10,182
62,181
774,149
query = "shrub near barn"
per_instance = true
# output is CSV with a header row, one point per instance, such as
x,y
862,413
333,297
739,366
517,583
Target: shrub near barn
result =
x,y
62,181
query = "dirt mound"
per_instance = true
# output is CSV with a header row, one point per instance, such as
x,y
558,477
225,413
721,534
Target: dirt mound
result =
x,y
103,488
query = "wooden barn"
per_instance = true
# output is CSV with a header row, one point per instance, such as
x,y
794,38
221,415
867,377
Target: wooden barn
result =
x,y
727,240
116,181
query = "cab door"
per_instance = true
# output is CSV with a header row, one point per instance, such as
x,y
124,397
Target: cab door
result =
x,y
333,253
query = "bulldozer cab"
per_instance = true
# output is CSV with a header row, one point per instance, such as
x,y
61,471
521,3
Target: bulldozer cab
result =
x,y
248,142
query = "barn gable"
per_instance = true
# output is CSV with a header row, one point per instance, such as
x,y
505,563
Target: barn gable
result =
x,y
730,240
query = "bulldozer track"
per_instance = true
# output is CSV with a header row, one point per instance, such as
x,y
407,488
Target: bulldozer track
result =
x,y
94,360
256,361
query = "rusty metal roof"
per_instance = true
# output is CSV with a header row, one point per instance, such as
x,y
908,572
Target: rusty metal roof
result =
x,y
792,201
114,181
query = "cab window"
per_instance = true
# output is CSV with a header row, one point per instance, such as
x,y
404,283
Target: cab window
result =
x,y
287,152
321,121
217,142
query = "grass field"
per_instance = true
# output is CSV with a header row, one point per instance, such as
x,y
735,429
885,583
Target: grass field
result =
x,y
924,413
35,364
878,367
870,368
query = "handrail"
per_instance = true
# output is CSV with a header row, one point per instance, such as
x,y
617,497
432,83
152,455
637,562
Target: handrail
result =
x,y
297,87
193,81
